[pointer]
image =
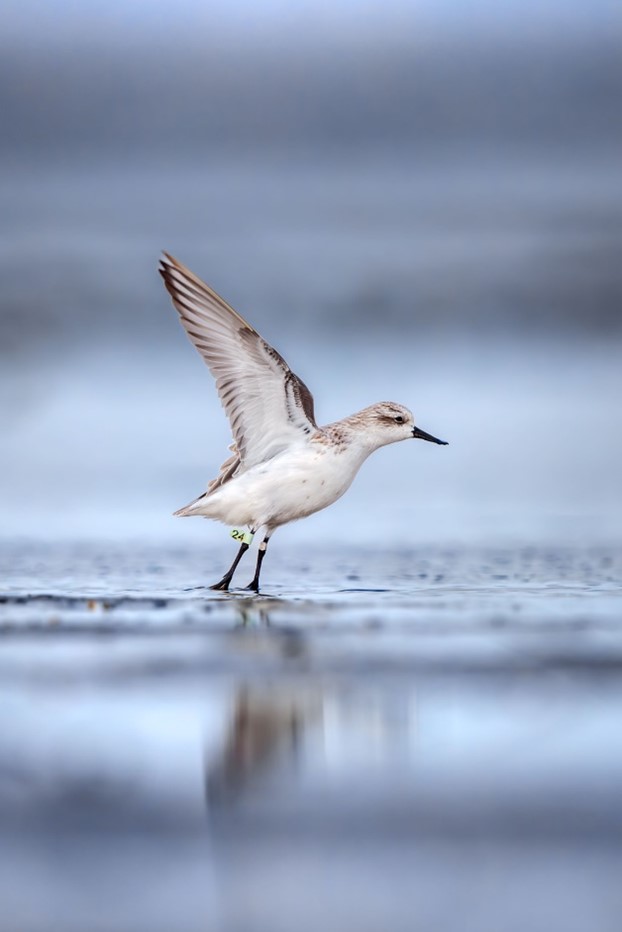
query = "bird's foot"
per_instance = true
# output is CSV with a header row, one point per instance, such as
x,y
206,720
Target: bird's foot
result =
x,y
222,586
252,586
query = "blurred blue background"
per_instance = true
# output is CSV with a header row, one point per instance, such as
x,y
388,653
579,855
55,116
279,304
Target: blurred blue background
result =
x,y
411,201
418,202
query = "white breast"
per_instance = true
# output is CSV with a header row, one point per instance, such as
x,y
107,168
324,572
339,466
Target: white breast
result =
x,y
292,485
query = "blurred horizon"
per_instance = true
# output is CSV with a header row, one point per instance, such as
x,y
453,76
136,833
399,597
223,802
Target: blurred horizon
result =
x,y
155,87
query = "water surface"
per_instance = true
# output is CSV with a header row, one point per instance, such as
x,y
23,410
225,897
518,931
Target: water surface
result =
x,y
423,739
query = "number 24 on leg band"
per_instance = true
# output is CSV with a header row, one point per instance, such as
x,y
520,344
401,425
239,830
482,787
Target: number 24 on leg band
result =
x,y
243,537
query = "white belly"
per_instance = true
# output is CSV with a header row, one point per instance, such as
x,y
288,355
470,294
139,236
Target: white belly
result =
x,y
290,486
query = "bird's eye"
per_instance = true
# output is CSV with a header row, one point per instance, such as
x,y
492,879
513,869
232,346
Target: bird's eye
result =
x,y
399,419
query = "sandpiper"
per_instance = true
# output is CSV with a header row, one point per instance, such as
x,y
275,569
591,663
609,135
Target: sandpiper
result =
x,y
283,466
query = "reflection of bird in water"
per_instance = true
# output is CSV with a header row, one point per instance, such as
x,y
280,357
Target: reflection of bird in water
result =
x,y
284,467
266,726
253,611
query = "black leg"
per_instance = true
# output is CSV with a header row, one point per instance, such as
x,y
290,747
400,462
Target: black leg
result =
x,y
254,585
223,585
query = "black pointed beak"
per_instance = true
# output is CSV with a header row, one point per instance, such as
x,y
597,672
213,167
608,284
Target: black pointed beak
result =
x,y
419,434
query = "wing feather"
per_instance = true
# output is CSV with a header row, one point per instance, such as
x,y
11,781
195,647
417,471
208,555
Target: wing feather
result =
x,y
268,406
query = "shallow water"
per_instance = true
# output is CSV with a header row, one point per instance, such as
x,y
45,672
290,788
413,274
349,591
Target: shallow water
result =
x,y
426,739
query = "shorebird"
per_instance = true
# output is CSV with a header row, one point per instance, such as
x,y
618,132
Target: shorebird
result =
x,y
283,466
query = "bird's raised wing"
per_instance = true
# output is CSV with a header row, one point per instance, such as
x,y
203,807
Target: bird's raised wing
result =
x,y
268,406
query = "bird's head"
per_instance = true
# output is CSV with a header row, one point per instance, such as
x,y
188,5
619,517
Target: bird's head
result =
x,y
390,422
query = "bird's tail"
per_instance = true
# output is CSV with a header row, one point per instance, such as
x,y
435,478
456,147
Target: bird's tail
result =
x,y
190,509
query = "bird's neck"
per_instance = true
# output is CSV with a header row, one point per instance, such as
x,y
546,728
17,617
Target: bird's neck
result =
x,y
349,436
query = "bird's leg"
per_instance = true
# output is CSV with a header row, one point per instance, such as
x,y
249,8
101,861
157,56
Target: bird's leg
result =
x,y
223,585
254,585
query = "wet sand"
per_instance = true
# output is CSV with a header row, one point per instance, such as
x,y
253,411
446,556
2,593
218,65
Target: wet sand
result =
x,y
416,740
